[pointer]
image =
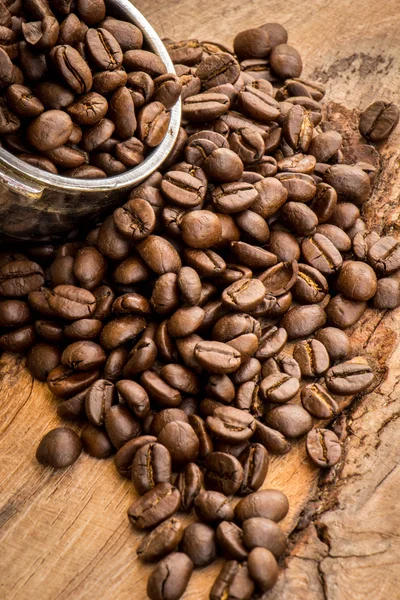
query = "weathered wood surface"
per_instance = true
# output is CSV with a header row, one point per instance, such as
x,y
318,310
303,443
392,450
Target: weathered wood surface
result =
x,y
65,535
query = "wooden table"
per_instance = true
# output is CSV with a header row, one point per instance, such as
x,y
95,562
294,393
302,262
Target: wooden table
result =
x,y
65,535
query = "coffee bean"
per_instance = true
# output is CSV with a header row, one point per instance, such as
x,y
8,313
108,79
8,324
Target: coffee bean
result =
x,y
263,568
20,277
269,504
187,52
384,255
99,398
161,541
343,312
151,465
357,281
64,382
318,402
121,330
229,538
59,448
165,416
335,341
311,286
14,313
323,447
125,455
387,293
41,359
279,388
170,577
302,321
233,582
350,183
289,419
260,532
160,503
160,391
336,236
312,357
205,442
254,461
198,542
271,342
217,357
223,473
231,424
189,484
181,441
378,121
205,107
96,442
351,377
213,507
321,254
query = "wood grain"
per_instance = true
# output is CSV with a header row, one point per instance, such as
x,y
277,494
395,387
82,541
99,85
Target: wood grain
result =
x,y
65,535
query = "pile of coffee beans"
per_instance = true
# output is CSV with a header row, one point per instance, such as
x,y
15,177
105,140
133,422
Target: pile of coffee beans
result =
x,y
201,327
79,94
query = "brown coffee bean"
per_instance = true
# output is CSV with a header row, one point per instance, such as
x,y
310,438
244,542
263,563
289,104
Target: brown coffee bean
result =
x,y
20,277
279,388
205,442
378,121
83,356
125,455
312,357
213,507
289,419
311,286
357,281
271,439
351,377
189,484
300,218
223,473
186,52
120,425
335,341
323,447
72,67
254,460
41,359
217,357
59,448
269,504
89,109
231,424
259,532
170,578
233,582
318,402
280,278
95,442
127,35
161,541
181,441
350,183
155,506
103,49
343,312
99,398
263,568
151,465
302,321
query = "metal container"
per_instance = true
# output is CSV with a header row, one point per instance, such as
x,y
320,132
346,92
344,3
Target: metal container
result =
x,y
39,206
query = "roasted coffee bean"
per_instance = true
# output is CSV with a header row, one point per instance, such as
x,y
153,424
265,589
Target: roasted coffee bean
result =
x,y
155,506
387,293
351,377
343,312
269,504
233,582
258,105
298,129
300,187
229,538
384,255
205,107
135,219
103,49
181,441
323,447
72,67
170,577
41,359
318,402
189,484
279,388
335,341
284,246
263,568
336,236
350,183
151,465
165,416
271,439
362,242
83,356
213,507
95,442
378,121
285,61
223,473
312,357
259,532
321,254
254,460
161,541
135,397
311,286
198,542
20,277
125,455
205,441
271,343
50,331
121,330
357,281
217,357
324,202
231,424
65,382
300,218
14,313
289,419
59,448
131,304
302,321
160,391
120,425
252,43
248,399
99,398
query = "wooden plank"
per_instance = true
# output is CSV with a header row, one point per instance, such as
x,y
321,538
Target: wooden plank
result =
x,y
66,535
